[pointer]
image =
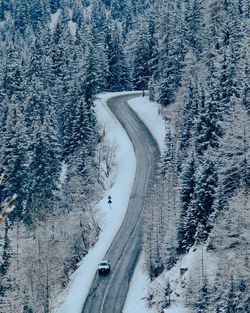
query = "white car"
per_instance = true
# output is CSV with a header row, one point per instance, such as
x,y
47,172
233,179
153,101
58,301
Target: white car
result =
x,y
104,267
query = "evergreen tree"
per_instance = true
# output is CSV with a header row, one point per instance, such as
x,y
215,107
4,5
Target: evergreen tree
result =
x,y
38,12
171,55
194,25
203,198
234,152
44,170
14,159
54,5
118,77
189,118
187,187
78,16
208,128
6,255
22,16
117,9
141,66
153,235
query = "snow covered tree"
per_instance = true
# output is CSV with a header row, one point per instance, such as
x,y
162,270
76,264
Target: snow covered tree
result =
x,y
188,121
208,127
14,159
118,75
22,16
194,30
170,53
142,58
203,198
153,235
54,5
6,254
43,170
38,13
187,186
230,241
234,152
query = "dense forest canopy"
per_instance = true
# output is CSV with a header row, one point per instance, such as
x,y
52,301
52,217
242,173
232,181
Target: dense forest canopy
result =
x,y
55,57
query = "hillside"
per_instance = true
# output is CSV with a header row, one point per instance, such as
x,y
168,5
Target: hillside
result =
x,y
193,59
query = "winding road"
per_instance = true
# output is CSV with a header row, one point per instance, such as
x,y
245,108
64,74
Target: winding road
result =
x,y
108,292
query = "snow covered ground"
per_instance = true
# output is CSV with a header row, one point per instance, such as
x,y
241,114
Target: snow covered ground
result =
x,y
137,291
148,113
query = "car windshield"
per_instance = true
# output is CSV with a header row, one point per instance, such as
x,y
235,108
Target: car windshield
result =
x,y
104,263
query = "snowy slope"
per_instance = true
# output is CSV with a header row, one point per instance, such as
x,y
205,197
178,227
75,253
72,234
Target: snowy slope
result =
x,y
148,113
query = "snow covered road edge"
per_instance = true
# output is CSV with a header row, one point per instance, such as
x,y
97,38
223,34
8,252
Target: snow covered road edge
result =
x,y
74,296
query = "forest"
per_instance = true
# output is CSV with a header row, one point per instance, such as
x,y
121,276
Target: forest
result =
x,y
193,58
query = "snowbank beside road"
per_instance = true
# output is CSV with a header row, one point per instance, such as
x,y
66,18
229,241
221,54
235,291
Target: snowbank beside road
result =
x,y
148,113
72,299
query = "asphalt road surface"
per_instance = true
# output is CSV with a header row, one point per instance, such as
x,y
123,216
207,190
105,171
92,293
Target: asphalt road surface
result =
x,y
108,292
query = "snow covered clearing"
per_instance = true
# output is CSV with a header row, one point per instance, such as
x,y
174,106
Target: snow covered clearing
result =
x,y
72,299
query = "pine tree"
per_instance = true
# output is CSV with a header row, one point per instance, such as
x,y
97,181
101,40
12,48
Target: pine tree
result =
x,y
43,170
14,159
194,25
203,198
187,186
6,255
171,54
39,13
153,236
189,118
208,127
142,57
78,15
117,9
21,16
118,76
234,152
54,5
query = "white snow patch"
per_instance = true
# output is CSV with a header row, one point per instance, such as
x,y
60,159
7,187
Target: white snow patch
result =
x,y
148,112
72,28
73,297
135,302
63,174
2,23
176,309
70,12
54,20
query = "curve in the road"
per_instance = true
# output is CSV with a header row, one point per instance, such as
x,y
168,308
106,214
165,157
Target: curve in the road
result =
x,y
108,293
